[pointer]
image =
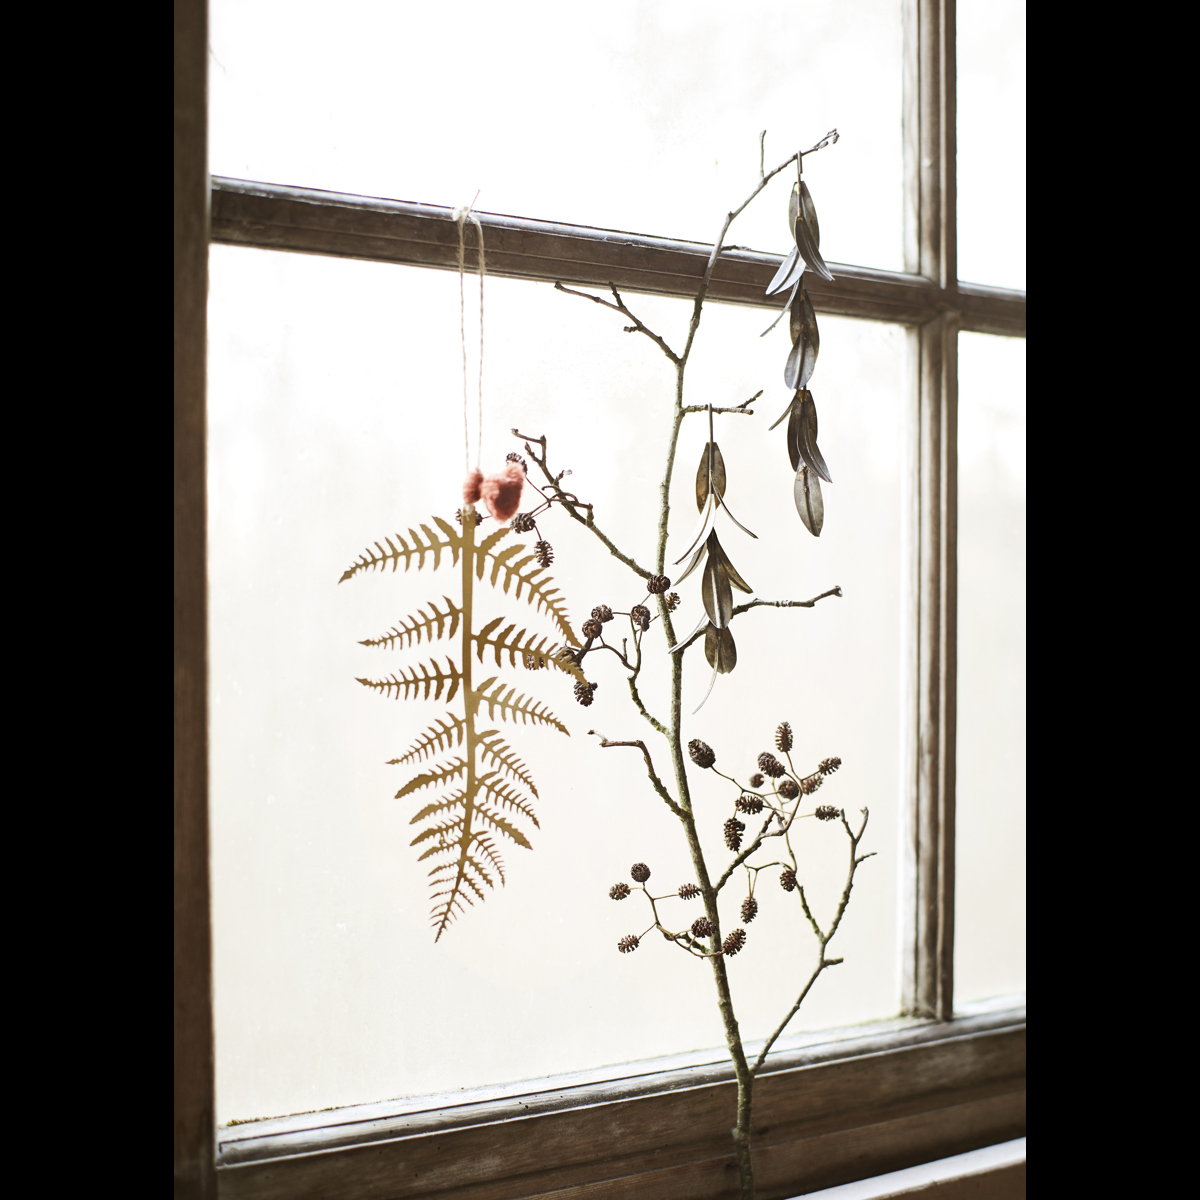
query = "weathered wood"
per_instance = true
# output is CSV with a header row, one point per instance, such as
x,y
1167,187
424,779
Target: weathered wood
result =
x,y
194,1132
667,1130
275,217
930,617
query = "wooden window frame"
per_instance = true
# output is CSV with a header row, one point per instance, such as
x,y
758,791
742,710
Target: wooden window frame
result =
x,y
895,1094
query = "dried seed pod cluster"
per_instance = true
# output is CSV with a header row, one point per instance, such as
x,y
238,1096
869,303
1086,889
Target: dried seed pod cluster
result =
x,y
801,412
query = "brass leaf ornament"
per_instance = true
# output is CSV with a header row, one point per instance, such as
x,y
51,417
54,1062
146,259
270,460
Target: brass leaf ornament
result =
x,y
487,792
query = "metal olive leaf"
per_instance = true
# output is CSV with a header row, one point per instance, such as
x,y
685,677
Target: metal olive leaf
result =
x,y
705,468
720,650
809,504
788,274
808,234
806,343
716,592
802,436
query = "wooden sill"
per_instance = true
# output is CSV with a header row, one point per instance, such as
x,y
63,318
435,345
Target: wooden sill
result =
x,y
830,1108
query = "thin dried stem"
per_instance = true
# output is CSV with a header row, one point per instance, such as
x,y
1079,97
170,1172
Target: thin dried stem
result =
x,y
621,307
744,608
654,779
823,938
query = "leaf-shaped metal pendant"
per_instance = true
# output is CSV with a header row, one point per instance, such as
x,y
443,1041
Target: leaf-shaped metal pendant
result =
x,y
809,503
804,431
715,547
720,650
786,275
808,235
716,592
806,343
702,475
810,214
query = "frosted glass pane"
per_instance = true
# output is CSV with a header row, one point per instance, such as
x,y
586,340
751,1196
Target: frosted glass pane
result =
x,y
991,142
335,419
989,942
626,115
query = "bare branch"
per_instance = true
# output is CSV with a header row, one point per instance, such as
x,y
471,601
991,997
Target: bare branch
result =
x,y
742,608
654,779
741,408
572,503
621,307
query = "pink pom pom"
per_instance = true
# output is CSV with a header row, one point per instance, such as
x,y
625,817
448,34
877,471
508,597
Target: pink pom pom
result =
x,y
502,492
472,485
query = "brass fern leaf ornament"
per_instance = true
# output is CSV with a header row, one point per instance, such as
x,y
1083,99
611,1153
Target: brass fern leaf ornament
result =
x,y
487,791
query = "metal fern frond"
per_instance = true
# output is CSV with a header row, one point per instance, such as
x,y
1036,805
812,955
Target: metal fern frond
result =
x,y
496,789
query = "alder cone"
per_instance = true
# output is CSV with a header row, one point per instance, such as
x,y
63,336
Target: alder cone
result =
x,y
657,584
734,942
619,891
701,753
826,812
689,891
783,737
768,764
628,944
829,765
640,872
749,909
702,927
787,880
789,789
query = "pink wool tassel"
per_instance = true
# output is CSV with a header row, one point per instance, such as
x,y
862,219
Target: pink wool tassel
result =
x,y
500,493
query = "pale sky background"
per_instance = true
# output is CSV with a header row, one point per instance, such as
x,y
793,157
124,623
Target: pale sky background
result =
x,y
335,418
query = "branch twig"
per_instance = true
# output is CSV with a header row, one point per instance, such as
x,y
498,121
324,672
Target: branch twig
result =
x,y
621,307
654,779
742,608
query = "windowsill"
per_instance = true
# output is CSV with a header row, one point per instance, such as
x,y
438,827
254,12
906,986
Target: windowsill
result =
x,y
928,1086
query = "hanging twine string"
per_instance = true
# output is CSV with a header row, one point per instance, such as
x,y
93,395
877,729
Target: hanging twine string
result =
x,y
461,217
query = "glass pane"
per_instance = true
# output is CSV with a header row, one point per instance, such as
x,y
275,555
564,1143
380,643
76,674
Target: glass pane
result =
x,y
624,115
991,142
989,943
335,419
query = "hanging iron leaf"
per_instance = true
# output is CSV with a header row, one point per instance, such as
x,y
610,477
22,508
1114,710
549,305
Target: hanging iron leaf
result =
x,y
702,475
809,504
715,547
802,436
716,592
808,235
806,343
787,273
720,650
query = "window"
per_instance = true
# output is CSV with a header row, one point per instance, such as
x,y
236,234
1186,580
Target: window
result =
x,y
913,328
